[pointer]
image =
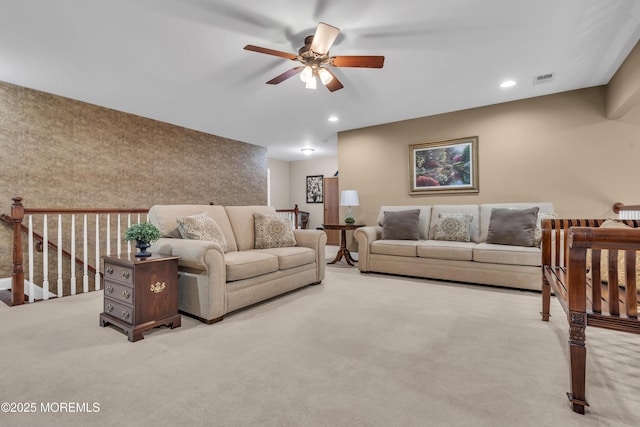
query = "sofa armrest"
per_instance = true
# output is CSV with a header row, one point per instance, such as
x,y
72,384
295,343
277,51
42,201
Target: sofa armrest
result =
x,y
192,253
316,240
364,236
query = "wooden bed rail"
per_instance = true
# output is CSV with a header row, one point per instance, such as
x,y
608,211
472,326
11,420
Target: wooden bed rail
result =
x,y
592,292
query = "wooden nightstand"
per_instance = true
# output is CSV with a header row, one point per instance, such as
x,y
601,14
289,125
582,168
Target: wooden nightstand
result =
x,y
140,294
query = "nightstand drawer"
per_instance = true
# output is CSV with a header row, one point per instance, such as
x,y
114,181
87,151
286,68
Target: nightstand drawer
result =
x,y
119,273
118,310
119,291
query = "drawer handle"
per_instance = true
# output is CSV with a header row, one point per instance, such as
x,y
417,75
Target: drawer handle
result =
x,y
157,287
110,289
125,294
110,270
125,274
125,314
109,308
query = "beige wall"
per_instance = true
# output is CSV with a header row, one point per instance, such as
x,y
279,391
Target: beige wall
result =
x,y
623,91
299,170
559,148
58,152
279,184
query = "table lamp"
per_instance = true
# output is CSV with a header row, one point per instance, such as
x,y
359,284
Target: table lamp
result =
x,y
349,198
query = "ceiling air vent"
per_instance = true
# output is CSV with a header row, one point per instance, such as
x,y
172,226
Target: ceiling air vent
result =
x,y
543,78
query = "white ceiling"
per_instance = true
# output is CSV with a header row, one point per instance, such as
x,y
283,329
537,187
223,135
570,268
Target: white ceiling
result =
x,y
182,61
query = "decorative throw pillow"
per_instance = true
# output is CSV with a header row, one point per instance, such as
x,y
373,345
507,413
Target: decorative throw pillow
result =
x,y
455,227
604,258
538,231
201,227
273,232
401,225
514,227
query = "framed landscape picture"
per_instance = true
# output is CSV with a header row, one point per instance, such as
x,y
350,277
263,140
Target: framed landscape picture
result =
x,y
444,167
314,189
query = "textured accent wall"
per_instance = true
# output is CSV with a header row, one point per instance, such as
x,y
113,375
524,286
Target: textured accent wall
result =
x,y
59,152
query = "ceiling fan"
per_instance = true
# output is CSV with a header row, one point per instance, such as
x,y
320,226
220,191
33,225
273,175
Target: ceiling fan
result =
x,y
315,59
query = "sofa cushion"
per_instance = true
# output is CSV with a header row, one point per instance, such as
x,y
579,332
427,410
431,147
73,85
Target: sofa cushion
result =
x,y
438,210
485,213
164,217
241,219
292,256
272,232
245,264
454,227
512,226
507,254
423,220
394,247
201,227
442,249
401,225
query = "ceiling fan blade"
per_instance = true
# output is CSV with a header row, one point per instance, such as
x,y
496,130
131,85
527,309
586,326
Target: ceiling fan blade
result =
x,y
358,61
284,76
334,84
323,38
270,51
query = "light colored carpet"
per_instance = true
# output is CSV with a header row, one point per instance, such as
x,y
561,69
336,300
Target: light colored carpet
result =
x,y
359,350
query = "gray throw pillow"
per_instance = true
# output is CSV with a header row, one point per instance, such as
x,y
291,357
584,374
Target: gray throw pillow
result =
x,y
401,225
512,226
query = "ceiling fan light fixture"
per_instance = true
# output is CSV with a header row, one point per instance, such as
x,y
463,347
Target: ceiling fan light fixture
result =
x,y
306,74
311,83
325,76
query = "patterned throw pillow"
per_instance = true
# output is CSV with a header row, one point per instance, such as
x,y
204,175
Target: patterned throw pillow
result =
x,y
454,227
273,232
201,227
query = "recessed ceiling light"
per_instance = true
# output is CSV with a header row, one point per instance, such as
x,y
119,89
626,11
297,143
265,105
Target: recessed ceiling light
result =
x,y
333,119
507,83
307,150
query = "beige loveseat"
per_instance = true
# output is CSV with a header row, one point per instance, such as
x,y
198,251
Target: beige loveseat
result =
x,y
214,280
475,261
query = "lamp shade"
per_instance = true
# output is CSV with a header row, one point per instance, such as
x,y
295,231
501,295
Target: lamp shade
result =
x,y
349,198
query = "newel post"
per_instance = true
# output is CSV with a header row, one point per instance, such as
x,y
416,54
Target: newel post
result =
x,y
17,277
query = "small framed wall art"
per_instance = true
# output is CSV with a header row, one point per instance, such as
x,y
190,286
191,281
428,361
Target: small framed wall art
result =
x,y
314,189
444,167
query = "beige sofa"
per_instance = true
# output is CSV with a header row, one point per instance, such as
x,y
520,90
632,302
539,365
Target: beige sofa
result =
x,y
214,281
475,261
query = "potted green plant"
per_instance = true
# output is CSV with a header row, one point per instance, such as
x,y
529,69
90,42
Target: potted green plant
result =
x,y
143,233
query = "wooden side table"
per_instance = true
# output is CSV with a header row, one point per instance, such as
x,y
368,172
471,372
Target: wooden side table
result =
x,y
343,252
140,294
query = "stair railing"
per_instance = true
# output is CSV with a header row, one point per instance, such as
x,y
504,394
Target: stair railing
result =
x,y
626,211
41,242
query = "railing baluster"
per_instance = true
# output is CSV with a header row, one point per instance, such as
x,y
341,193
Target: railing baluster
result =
x,y
59,287
108,235
96,279
32,297
85,256
45,259
73,254
118,235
